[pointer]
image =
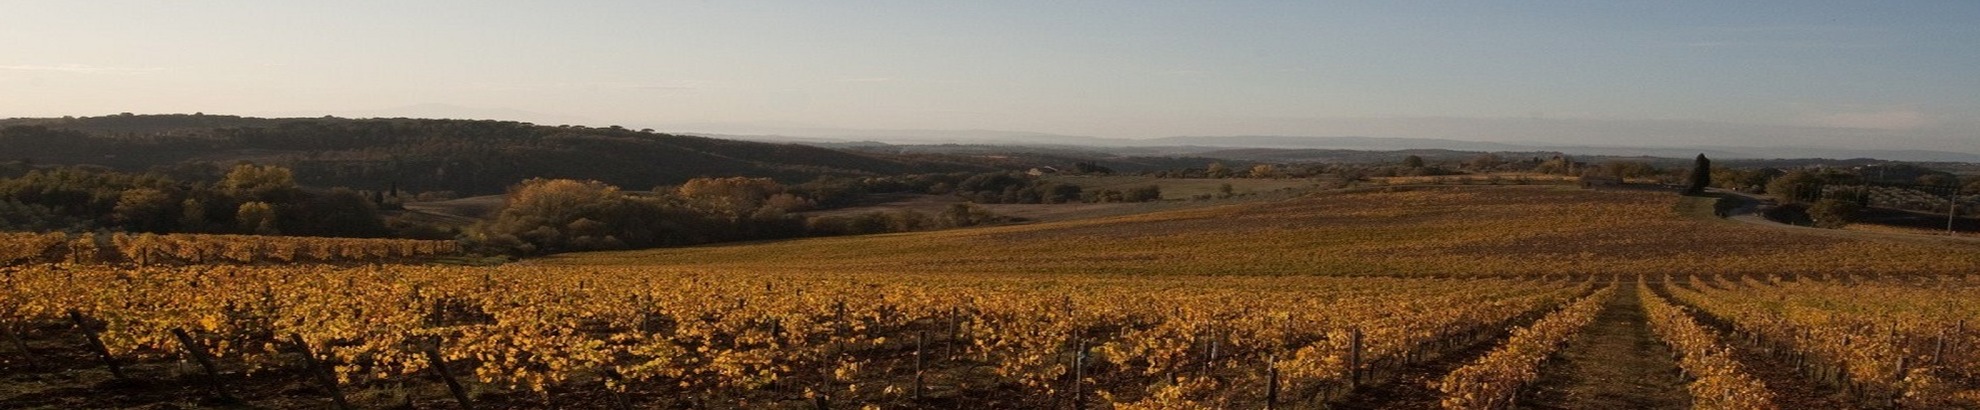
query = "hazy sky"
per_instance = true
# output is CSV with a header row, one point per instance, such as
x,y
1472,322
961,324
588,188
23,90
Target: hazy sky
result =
x,y
1867,73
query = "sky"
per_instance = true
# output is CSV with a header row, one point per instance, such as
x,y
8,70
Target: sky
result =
x,y
1863,74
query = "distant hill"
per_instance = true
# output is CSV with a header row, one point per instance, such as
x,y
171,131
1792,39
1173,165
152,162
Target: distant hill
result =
x,y
465,156
1393,144
1213,145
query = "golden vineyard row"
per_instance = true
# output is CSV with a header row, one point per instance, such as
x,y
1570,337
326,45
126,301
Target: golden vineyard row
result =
x,y
150,249
1493,381
1884,342
752,340
1717,380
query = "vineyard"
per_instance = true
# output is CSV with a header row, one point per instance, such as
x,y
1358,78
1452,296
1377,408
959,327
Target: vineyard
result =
x,y
1431,232
195,249
777,340
1307,303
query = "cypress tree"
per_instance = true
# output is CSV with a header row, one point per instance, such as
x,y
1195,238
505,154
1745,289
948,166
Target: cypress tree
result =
x,y
1701,176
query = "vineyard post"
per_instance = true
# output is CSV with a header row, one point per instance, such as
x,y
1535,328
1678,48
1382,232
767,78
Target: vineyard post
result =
x,y
1271,382
920,361
949,347
1354,357
820,399
1959,330
96,343
1079,375
1902,363
440,365
839,327
14,334
1939,348
205,363
1952,208
1842,367
1285,333
1210,360
322,375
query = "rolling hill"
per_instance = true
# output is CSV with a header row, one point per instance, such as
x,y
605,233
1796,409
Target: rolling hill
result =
x,y
465,156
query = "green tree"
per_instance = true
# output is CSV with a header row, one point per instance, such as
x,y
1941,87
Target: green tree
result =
x,y
145,210
1833,213
1144,193
342,213
1485,162
192,216
1413,162
1938,180
1795,186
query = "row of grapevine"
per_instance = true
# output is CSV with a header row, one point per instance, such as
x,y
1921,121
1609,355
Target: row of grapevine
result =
x,y
745,339
1884,342
25,247
1717,381
1493,381
190,249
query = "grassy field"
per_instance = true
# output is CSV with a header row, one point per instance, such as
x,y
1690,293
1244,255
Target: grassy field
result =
x,y
1176,194
1459,231
1182,188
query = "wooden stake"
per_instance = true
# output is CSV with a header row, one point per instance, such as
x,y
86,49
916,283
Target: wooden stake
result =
x,y
440,365
1354,357
322,374
1271,382
920,361
205,363
96,343
14,334
1079,375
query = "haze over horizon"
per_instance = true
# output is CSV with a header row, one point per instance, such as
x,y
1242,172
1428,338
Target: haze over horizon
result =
x,y
1848,75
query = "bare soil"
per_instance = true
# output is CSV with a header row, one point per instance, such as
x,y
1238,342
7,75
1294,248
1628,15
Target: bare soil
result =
x,y
1616,363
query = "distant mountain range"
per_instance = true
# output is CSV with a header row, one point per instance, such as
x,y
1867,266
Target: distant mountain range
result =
x,y
1199,145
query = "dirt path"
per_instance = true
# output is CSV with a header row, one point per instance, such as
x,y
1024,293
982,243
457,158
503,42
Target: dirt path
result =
x,y
1616,363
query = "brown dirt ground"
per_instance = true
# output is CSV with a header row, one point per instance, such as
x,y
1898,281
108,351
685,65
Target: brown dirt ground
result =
x,y
1616,363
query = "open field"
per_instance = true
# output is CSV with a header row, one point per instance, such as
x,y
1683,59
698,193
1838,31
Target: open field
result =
x,y
1177,193
1184,188
1384,298
935,204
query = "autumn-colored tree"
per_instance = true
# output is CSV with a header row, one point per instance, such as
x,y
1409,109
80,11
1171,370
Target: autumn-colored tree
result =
x,y
264,183
1264,171
256,217
1218,170
735,196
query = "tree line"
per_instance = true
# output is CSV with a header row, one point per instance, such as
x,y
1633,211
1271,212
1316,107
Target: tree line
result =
x,y
245,199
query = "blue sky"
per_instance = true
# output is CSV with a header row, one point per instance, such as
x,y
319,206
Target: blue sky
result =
x,y
1857,74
